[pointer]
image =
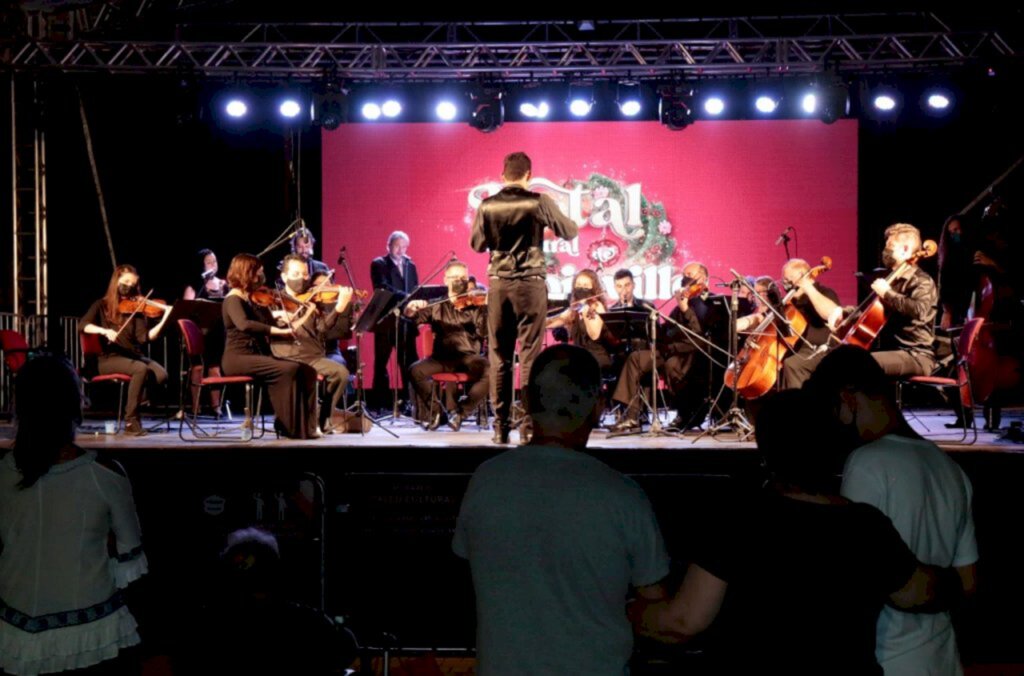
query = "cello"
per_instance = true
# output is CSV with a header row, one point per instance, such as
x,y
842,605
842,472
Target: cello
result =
x,y
866,322
762,354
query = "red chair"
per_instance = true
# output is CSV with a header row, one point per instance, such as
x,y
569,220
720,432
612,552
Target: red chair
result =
x,y
15,349
458,380
192,338
92,349
964,353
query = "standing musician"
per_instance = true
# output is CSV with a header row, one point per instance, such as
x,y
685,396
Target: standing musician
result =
x,y
906,341
207,285
510,224
798,366
303,242
683,362
583,319
125,333
459,324
311,325
290,384
394,272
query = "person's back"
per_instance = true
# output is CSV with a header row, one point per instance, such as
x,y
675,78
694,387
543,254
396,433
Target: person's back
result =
x,y
928,498
555,538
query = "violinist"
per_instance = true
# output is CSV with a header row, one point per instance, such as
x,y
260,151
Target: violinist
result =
x,y
308,345
905,344
682,359
583,319
207,285
290,384
342,330
459,324
123,326
801,362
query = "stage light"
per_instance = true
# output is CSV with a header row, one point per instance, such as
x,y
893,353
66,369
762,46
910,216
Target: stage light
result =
x,y
536,111
628,96
391,108
290,108
766,104
330,105
714,105
939,101
488,108
236,108
885,103
809,104
580,108
675,107
371,111
581,99
446,111
630,108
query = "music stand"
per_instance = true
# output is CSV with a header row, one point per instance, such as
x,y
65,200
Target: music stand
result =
x,y
378,307
392,321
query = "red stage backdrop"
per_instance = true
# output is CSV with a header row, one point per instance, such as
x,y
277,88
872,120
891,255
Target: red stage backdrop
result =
x,y
645,198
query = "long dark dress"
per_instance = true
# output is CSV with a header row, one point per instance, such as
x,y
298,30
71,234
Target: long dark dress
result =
x,y
290,384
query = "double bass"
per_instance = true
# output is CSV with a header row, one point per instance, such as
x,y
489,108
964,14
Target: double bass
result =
x,y
866,322
761,357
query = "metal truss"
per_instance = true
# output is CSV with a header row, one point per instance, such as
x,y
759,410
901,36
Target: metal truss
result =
x,y
524,51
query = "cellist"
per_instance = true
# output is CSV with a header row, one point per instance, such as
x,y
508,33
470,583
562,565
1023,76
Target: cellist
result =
x,y
801,362
905,343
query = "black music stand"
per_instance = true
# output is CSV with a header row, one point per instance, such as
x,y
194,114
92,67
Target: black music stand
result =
x,y
391,321
381,301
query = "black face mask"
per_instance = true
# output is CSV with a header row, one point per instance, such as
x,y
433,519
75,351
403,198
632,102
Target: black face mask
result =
x,y
296,285
889,258
127,290
459,286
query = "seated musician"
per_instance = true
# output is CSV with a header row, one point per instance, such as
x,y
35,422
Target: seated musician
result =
x,y
799,364
308,346
625,287
905,343
683,360
125,334
459,324
583,319
208,286
342,330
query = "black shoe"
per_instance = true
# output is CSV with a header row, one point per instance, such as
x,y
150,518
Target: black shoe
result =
x,y
500,434
455,421
435,422
626,426
134,428
525,433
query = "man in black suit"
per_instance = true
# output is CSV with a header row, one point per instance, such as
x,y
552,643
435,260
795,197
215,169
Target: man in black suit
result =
x,y
511,226
394,272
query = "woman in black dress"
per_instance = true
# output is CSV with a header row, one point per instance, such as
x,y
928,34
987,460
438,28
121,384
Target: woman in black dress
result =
x,y
291,385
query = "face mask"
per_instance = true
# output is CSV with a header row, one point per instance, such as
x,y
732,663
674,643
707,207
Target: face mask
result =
x,y
580,293
261,278
296,285
889,258
127,290
459,286
954,237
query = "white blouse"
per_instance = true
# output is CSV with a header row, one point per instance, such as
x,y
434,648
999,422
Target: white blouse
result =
x,y
60,607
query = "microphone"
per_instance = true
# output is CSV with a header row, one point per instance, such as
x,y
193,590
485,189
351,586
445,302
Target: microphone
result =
x,y
207,274
784,237
341,256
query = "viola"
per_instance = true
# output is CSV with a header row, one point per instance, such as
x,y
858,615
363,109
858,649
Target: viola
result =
x,y
761,357
150,307
863,326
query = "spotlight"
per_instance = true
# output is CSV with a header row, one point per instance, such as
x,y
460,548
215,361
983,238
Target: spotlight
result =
x,y
330,106
938,101
581,99
630,108
627,96
714,105
446,111
580,108
885,102
236,108
809,104
391,108
290,108
535,110
371,111
828,99
766,104
674,107
488,109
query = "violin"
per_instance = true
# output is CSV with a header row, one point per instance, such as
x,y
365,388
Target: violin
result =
x,y
327,294
763,352
863,326
690,289
471,299
272,298
150,307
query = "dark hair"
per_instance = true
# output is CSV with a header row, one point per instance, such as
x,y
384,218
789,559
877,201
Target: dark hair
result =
x,y
846,368
302,233
251,561
48,410
578,368
293,258
595,283
111,298
796,438
244,272
517,165
623,273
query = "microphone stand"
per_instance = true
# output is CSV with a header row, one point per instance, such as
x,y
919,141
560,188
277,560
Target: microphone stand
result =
x,y
400,344
358,409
